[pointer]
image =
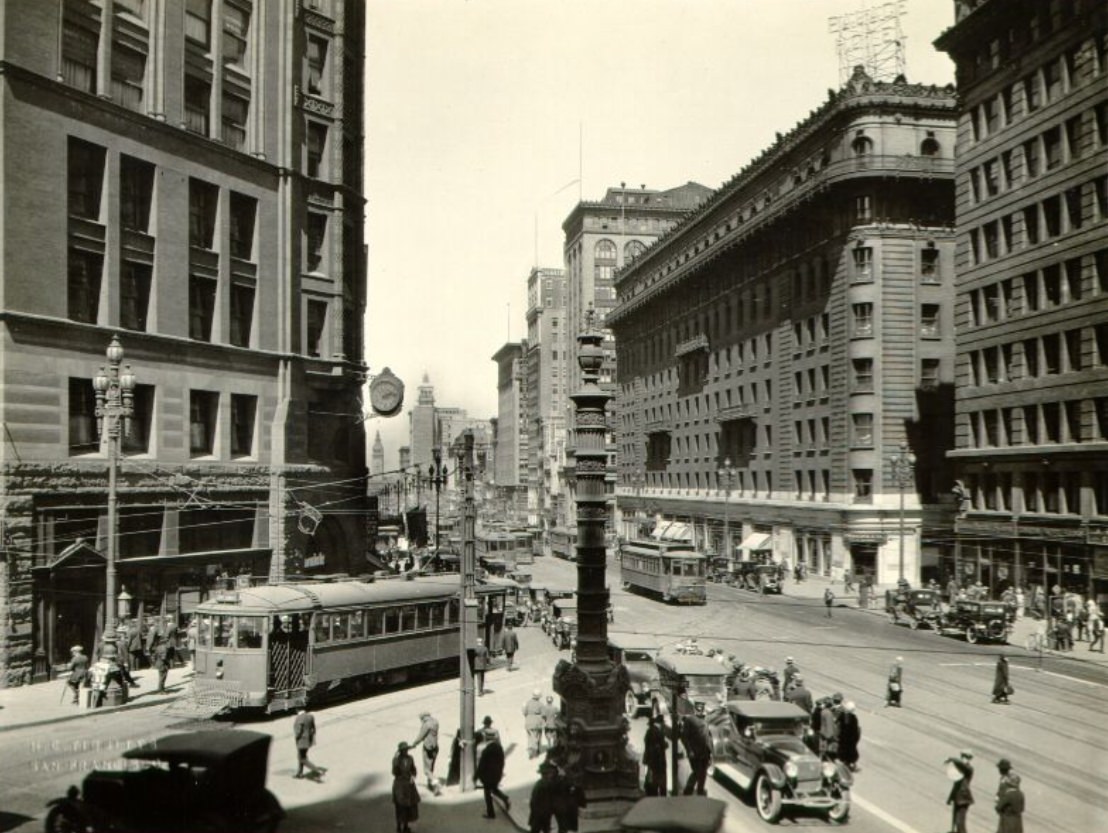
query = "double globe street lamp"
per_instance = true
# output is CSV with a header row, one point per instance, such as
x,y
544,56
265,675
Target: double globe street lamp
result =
x,y
726,477
903,468
437,477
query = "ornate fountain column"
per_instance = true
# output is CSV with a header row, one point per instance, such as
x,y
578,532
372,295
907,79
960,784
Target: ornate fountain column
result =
x,y
593,687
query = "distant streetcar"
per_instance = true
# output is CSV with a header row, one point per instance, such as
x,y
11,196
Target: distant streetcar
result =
x,y
669,570
276,647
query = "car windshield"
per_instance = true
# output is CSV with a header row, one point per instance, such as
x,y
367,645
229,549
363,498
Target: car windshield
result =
x,y
703,687
637,656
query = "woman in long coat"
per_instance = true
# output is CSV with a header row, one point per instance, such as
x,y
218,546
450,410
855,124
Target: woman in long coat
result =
x,y
490,771
654,756
1010,805
850,733
1000,680
405,795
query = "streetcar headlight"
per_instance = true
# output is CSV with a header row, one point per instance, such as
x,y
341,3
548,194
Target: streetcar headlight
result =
x,y
791,769
828,770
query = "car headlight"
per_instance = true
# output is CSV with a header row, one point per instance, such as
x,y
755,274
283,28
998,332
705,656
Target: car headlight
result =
x,y
791,769
829,770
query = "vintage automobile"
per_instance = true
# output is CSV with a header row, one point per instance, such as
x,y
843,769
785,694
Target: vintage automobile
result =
x,y
916,607
764,578
979,620
210,780
636,651
719,570
759,747
687,677
675,814
564,623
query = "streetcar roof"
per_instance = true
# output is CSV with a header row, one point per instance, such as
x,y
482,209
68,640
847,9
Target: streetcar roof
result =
x,y
272,598
766,710
694,664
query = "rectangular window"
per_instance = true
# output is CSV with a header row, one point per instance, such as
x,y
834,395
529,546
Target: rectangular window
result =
x,y
85,179
201,308
236,109
1052,148
243,212
863,375
134,295
862,320
1052,354
929,324
1031,357
1071,412
316,233
83,438
317,141
203,412
198,21
929,374
236,31
1031,424
136,184
1073,137
203,201
128,72
317,61
1073,349
316,324
990,237
80,43
1031,94
863,263
863,209
991,428
198,102
863,485
1074,216
929,265
992,178
243,416
85,270
1031,224
862,430
1052,284
1052,216
1031,157
242,314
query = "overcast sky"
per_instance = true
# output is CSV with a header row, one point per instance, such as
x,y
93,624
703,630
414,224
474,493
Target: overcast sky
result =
x,y
482,114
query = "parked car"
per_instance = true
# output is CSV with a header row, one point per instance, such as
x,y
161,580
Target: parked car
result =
x,y
759,747
675,814
208,780
916,607
688,678
979,620
636,651
764,578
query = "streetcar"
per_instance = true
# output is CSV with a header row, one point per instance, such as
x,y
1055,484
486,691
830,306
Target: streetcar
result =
x,y
669,570
277,647
500,548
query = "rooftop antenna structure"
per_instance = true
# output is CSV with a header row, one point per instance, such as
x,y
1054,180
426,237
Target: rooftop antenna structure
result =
x,y
871,37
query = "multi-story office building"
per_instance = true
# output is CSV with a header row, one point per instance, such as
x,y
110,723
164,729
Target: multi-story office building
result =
x,y
1032,293
422,426
377,459
187,177
510,435
601,237
546,391
798,327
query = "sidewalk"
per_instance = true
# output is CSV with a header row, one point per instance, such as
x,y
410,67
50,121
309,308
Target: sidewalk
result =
x,y
813,586
52,702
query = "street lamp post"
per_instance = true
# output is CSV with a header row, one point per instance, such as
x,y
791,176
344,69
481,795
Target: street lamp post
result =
x,y
436,476
904,463
115,387
726,479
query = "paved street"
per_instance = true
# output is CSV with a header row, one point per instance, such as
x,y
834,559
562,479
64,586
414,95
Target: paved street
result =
x,y
1053,732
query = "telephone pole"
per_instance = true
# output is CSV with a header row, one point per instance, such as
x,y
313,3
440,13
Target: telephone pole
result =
x,y
467,640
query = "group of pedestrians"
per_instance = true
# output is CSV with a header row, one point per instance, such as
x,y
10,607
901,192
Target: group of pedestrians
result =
x,y
1010,801
540,719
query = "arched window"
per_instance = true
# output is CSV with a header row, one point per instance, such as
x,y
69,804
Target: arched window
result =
x,y
929,147
604,260
632,250
605,250
862,146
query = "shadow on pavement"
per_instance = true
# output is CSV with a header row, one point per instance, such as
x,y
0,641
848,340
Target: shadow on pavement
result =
x,y
10,821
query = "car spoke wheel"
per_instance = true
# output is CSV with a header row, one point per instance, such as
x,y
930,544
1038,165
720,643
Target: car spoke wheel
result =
x,y
767,799
971,635
66,820
841,811
630,704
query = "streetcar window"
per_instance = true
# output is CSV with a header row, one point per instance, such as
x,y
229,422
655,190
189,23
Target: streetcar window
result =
x,y
223,631
375,622
423,616
204,632
438,615
322,627
454,605
250,631
357,624
338,625
407,618
392,620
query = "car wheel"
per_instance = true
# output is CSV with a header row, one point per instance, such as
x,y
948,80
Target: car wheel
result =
x,y
64,819
630,705
841,811
971,635
767,799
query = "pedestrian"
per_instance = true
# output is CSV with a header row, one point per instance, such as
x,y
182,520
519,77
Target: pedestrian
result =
x,y
105,672
550,721
543,799
490,770
134,645
509,641
1002,687
790,672
1010,802
698,749
569,798
848,581
654,756
743,687
191,634
78,670
850,735
1021,602
829,729
828,600
1096,631
480,666
163,658
405,794
303,732
533,723
428,741
961,797
895,689
763,684
799,695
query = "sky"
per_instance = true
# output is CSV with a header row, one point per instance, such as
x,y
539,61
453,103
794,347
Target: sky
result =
x,y
488,120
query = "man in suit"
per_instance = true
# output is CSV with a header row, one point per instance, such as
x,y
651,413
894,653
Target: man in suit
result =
x,y
698,749
961,797
480,666
303,731
428,741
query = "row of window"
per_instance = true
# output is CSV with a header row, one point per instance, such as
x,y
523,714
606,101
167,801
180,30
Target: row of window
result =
x,y
1071,351
1041,423
1051,286
691,568
204,421
1045,220
862,326
1051,492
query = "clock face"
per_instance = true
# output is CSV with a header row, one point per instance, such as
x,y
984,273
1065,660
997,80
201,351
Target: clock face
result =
x,y
386,394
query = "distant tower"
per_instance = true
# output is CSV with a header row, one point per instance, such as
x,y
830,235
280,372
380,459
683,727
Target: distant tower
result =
x,y
870,37
422,424
377,460
405,456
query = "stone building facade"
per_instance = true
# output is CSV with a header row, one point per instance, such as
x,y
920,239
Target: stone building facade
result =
x,y
188,178
798,327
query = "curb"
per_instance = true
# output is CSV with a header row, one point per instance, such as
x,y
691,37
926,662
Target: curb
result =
x,y
89,713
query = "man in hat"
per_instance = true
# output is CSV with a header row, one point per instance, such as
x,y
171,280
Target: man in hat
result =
x,y
550,714
104,672
543,799
303,732
509,641
428,741
1010,801
829,728
654,756
790,672
961,797
480,666
533,723
698,749
799,694
1001,682
895,688
78,670
405,796
490,766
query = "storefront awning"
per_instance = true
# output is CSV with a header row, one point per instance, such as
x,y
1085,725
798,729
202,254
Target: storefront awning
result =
x,y
757,541
672,531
